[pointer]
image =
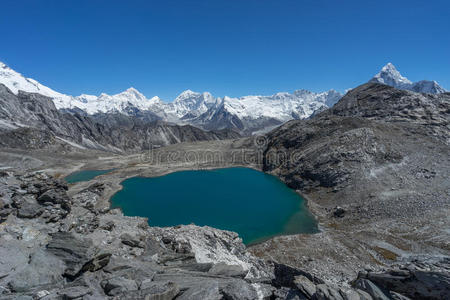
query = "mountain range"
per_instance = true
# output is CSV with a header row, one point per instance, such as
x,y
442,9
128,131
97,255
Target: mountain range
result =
x,y
246,115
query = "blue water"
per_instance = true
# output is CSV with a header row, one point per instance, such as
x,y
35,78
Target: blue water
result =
x,y
254,204
85,175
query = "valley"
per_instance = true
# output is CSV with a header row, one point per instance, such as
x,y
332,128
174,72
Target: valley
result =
x,y
373,170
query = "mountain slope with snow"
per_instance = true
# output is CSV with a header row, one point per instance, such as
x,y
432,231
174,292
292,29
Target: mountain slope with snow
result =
x,y
255,113
89,103
248,113
389,75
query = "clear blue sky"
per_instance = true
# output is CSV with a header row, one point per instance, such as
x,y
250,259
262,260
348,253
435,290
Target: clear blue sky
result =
x,y
227,47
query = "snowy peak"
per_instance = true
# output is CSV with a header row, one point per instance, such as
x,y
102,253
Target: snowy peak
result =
x,y
190,104
427,86
389,75
187,94
16,81
89,103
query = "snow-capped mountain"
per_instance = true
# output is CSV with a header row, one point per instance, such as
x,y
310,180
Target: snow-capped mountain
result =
x,y
89,103
256,113
389,75
247,114
190,104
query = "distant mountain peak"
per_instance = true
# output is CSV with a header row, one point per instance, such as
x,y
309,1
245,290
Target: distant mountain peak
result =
x,y
132,90
187,94
389,75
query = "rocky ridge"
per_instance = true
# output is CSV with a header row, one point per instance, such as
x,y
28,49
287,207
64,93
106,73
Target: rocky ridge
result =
x,y
375,169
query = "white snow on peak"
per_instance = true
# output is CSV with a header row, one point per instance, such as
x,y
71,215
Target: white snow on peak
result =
x,y
190,104
280,106
16,81
89,103
187,106
389,75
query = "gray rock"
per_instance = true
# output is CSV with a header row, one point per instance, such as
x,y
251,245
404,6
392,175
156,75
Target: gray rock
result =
x,y
228,270
109,225
56,196
29,210
117,285
305,286
75,252
74,292
97,263
357,295
160,291
285,293
43,270
285,276
42,294
397,296
208,291
131,241
412,282
326,292
369,287
196,267
239,290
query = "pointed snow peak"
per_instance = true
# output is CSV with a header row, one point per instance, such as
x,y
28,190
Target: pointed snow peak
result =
x,y
187,94
391,76
132,90
131,93
3,65
389,66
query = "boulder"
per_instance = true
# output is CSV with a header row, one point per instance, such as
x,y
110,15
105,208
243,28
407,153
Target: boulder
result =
x,y
239,290
326,292
412,282
56,196
338,212
131,241
78,254
29,210
208,291
42,270
306,286
74,292
117,285
228,270
285,276
371,288
161,291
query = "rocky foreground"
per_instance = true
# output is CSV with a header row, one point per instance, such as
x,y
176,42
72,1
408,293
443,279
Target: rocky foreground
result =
x,y
53,246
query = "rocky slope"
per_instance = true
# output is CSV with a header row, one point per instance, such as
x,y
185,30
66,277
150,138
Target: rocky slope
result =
x,y
30,120
375,168
58,247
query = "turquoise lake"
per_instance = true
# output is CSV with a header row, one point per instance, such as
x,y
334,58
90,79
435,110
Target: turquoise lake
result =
x,y
85,175
255,205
